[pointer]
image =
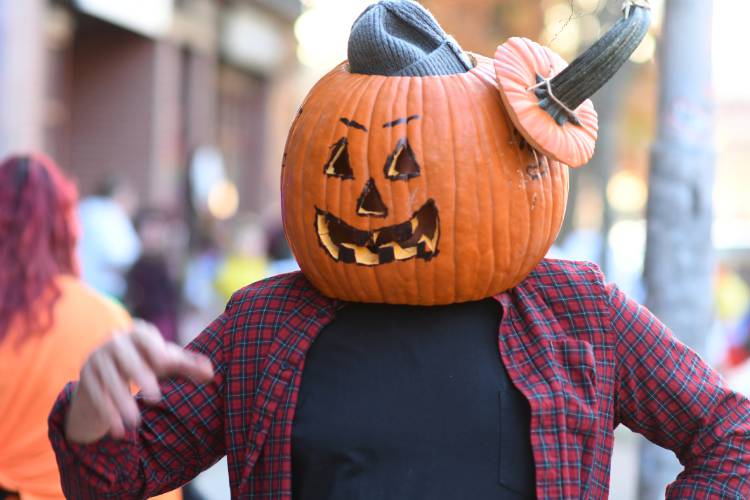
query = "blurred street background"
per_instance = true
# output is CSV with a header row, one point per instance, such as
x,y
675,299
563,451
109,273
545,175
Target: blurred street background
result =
x,y
174,114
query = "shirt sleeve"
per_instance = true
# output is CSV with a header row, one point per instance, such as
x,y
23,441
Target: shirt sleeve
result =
x,y
177,439
671,396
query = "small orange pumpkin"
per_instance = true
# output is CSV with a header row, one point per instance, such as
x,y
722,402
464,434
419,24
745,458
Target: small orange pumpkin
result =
x,y
520,65
423,190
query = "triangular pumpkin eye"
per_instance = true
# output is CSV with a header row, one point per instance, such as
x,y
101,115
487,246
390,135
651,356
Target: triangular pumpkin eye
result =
x,y
338,165
402,164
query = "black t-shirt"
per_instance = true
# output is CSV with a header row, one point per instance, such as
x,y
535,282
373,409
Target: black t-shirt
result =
x,y
405,402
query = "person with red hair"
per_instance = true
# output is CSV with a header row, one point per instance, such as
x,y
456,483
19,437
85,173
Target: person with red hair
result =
x,y
49,319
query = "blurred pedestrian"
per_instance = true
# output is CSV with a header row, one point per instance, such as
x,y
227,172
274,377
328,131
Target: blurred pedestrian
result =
x,y
49,319
732,299
152,291
109,244
280,258
200,300
200,275
246,262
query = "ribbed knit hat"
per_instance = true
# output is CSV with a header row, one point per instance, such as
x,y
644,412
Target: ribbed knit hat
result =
x,y
402,38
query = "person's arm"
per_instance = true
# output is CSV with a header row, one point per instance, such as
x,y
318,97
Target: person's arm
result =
x,y
110,445
671,396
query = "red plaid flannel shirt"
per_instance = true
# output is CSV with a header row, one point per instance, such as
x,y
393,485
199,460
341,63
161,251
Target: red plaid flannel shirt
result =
x,y
585,356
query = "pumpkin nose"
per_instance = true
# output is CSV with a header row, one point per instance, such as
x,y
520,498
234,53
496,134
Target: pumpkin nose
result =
x,y
370,204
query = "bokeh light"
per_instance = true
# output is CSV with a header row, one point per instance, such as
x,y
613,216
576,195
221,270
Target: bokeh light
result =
x,y
731,70
627,192
223,200
322,31
645,51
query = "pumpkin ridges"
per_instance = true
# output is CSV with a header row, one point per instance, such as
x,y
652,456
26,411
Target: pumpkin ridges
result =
x,y
543,243
509,230
493,178
558,183
545,203
522,161
480,274
376,138
534,186
433,183
469,256
298,179
477,81
371,274
399,86
400,108
348,190
493,276
326,192
559,203
331,195
338,197
351,276
512,233
452,242
288,172
413,270
550,202
483,199
312,185
432,270
538,201
455,141
409,185
433,267
376,129
504,247
526,219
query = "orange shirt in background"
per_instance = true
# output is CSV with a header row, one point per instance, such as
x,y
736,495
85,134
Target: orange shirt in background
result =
x,y
32,374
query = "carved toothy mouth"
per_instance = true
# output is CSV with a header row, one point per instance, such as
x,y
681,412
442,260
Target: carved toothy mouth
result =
x,y
417,237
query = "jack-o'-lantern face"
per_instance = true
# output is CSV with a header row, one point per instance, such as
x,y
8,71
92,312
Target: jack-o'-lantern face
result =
x,y
416,237
416,190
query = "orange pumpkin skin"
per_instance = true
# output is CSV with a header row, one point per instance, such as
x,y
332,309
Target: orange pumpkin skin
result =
x,y
497,204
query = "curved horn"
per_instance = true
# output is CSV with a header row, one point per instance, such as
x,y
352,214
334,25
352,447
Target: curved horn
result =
x,y
561,95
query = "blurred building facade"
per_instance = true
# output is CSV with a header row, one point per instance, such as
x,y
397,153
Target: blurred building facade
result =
x,y
133,89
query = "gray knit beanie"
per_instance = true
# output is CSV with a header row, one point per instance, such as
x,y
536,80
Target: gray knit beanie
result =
x,y
402,38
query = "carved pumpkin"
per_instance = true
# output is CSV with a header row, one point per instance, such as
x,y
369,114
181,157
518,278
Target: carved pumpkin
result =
x,y
416,189
420,190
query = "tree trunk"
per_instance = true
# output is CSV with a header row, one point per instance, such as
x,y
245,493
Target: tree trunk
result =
x,y
679,258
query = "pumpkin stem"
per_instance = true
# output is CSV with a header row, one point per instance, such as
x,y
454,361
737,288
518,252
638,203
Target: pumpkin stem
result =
x,y
561,95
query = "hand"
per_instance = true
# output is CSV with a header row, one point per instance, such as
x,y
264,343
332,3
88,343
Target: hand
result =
x,y
103,403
